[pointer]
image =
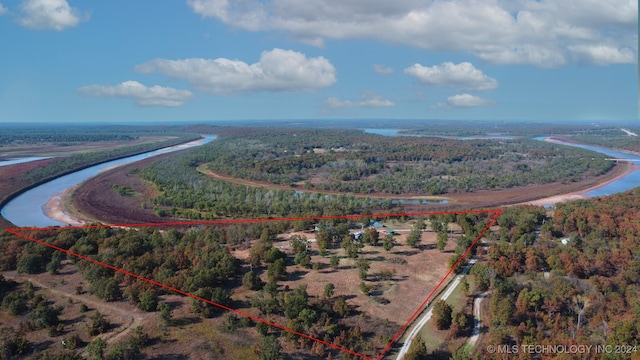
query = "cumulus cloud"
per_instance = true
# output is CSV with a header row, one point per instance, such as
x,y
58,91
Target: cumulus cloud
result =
x,y
463,101
368,100
603,54
537,32
381,69
3,10
463,76
50,14
277,70
140,94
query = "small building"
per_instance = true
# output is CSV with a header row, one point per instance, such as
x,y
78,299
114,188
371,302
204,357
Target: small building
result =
x,y
376,225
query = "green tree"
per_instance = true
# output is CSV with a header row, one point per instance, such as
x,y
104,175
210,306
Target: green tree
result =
x,y
442,240
262,328
277,269
363,268
166,314
341,307
252,281
217,295
270,348
298,243
54,264
350,246
30,263
328,290
334,261
303,259
388,242
417,350
442,313
98,324
481,276
465,286
308,317
148,300
414,237
295,301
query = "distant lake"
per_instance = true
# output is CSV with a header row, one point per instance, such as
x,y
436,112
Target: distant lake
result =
x,y
396,132
383,132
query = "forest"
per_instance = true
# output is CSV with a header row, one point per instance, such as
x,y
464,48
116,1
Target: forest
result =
x,y
199,260
575,282
351,161
618,140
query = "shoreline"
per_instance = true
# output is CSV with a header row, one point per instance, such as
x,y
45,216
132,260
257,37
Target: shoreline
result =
x,y
59,209
580,194
54,209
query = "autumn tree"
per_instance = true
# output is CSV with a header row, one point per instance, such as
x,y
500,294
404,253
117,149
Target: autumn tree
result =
x,y
371,236
442,312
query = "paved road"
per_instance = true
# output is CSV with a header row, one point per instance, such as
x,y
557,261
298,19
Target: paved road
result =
x,y
427,316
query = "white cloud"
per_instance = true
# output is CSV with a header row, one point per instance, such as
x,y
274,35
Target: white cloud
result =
x,y
603,54
463,101
381,69
49,14
463,76
3,10
537,32
277,70
140,94
368,100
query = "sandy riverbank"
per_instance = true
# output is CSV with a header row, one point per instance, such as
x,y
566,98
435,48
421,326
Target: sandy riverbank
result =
x,y
582,194
54,209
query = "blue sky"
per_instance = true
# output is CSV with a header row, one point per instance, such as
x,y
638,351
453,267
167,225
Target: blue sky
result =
x,y
198,60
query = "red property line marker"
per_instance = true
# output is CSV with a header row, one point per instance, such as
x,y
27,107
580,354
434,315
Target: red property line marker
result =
x,y
496,214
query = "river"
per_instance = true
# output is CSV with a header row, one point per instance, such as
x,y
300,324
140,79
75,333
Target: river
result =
x,y
28,208
628,182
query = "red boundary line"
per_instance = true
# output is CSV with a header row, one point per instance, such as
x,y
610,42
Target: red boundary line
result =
x,y
497,212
